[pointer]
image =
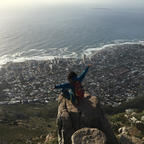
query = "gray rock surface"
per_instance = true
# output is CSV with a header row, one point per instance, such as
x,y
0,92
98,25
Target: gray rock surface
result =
x,y
88,113
88,135
125,139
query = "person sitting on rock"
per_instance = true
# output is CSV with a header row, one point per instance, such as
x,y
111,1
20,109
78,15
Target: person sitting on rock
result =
x,y
73,90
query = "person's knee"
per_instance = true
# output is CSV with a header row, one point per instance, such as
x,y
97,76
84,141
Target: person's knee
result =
x,y
65,94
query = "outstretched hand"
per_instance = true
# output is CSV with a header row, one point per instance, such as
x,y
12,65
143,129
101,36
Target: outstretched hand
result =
x,y
89,65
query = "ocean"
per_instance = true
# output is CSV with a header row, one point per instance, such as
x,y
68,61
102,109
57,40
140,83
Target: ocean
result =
x,y
45,32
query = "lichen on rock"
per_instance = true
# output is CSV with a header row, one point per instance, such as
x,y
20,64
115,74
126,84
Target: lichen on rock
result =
x,y
88,135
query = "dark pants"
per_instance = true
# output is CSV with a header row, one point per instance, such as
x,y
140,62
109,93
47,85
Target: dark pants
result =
x,y
68,95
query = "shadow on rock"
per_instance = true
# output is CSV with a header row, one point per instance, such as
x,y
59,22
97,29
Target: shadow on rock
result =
x,y
88,114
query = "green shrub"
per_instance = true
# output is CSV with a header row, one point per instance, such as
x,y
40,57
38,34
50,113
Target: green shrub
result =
x,y
27,123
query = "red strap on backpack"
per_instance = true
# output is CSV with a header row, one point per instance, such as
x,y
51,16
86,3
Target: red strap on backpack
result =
x,y
79,92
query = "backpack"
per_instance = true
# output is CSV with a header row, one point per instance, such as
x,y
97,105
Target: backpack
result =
x,y
79,92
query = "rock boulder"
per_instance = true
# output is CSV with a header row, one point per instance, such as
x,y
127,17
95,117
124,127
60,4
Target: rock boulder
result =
x,y
72,117
88,135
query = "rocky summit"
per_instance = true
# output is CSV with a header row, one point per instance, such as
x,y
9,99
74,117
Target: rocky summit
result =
x,y
87,115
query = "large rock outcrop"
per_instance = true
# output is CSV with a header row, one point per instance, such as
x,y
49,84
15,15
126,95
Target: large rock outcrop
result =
x,y
88,114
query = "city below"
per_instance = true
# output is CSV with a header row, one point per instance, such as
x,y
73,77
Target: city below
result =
x,y
116,76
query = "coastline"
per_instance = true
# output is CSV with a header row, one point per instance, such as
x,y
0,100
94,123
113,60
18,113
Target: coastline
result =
x,y
116,76
62,53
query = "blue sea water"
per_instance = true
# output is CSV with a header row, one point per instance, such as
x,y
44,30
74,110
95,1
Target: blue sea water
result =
x,y
44,32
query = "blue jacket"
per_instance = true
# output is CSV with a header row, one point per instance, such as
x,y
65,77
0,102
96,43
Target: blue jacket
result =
x,y
68,85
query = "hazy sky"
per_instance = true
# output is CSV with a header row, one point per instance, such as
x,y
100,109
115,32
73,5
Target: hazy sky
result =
x,y
13,3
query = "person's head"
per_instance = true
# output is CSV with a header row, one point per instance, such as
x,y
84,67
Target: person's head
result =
x,y
72,77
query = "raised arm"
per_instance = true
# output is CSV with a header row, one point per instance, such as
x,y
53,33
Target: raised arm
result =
x,y
81,77
65,85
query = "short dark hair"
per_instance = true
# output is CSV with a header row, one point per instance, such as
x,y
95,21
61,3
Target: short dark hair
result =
x,y
71,76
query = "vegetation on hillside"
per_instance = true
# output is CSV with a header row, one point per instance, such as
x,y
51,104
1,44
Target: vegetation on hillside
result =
x,y
119,118
31,123
27,123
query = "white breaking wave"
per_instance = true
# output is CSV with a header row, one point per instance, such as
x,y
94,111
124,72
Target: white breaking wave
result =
x,y
92,51
34,54
42,54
